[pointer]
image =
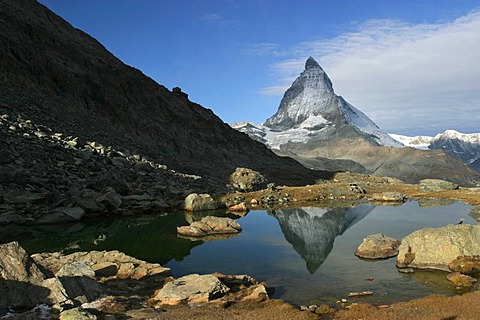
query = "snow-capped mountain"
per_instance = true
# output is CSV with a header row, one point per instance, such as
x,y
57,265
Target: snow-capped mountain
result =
x,y
322,130
310,110
466,146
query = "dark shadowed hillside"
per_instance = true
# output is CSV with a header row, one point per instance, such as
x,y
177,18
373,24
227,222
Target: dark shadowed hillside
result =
x,y
60,77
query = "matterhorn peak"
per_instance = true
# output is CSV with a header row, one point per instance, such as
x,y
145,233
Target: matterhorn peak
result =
x,y
311,109
312,64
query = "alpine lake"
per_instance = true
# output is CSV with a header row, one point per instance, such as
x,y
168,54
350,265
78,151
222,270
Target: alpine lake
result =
x,y
306,254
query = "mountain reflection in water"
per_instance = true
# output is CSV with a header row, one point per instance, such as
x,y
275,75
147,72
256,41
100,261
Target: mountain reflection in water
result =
x,y
312,231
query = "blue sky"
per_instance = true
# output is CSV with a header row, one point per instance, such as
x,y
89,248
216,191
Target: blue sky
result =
x,y
411,66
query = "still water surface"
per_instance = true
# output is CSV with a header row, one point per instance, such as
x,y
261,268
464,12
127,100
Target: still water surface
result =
x,y
306,254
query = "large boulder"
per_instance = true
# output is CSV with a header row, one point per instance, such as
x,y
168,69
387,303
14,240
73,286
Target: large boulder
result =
x,y
200,202
193,288
22,283
246,180
435,185
210,226
377,246
436,248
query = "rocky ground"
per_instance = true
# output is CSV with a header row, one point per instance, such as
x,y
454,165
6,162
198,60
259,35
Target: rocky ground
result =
x,y
121,287
356,188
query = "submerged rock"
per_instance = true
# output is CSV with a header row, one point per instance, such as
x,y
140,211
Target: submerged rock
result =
x,y
461,280
436,248
377,246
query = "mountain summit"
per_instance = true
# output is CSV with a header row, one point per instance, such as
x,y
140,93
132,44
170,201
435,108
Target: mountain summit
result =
x,y
311,111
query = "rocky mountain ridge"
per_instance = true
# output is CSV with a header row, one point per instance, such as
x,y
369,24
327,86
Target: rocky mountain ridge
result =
x,y
320,129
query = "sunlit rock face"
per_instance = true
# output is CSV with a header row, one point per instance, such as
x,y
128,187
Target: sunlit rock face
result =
x,y
312,231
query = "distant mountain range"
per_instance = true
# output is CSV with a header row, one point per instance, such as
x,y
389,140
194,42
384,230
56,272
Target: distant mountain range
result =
x,y
322,130
465,146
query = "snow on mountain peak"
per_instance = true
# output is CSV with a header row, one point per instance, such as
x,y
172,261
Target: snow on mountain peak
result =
x,y
311,110
453,134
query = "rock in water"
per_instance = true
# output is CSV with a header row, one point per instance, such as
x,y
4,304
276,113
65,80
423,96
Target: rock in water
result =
x,y
377,246
193,288
436,248
461,280
210,226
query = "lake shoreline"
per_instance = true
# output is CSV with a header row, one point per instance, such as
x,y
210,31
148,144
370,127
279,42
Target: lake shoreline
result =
x,y
339,192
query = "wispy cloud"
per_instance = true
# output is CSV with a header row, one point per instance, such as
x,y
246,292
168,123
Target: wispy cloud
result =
x,y
264,49
215,18
405,76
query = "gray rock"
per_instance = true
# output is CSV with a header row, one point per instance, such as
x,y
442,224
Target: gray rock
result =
x,y
377,246
112,180
62,215
192,288
110,199
200,202
245,180
210,226
24,197
22,283
103,263
436,248
143,166
76,314
76,269
434,185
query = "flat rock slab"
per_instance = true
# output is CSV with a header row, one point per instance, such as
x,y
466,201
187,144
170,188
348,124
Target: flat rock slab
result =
x,y
436,185
388,197
193,288
461,280
378,246
210,226
436,248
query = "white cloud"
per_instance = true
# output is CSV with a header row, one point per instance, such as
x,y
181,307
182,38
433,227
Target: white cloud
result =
x,y
263,49
273,90
211,17
409,78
